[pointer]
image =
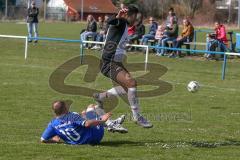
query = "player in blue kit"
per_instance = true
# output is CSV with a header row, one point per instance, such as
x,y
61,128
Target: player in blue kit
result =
x,y
74,128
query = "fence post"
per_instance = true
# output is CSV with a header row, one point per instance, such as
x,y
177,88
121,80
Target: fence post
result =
x,y
81,53
146,58
26,48
195,39
224,66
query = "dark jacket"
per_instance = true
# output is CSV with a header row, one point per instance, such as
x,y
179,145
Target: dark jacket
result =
x,y
153,28
172,32
32,15
92,26
105,27
140,30
100,25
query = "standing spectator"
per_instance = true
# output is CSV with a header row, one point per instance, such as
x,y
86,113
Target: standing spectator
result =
x,y
152,31
186,36
171,14
91,30
32,22
171,33
217,40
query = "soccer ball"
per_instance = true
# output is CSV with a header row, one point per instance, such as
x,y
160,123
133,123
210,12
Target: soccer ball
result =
x,y
193,86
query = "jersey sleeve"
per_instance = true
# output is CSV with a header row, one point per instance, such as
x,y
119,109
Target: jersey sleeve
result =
x,y
48,133
117,22
79,121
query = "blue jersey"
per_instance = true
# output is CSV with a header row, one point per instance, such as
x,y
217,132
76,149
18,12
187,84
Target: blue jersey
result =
x,y
71,128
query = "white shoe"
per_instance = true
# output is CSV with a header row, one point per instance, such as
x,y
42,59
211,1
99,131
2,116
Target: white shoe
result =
x,y
141,121
116,127
120,119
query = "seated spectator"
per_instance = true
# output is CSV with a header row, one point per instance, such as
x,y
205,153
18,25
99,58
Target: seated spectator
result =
x,y
91,30
171,33
102,32
160,35
218,40
171,14
100,23
131,30
186,36
152,31
139,31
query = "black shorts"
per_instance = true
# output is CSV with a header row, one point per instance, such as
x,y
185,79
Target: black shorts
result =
x,y
111,69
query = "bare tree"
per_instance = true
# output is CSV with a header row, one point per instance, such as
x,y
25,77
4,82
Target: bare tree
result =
x,y
190,6
156,8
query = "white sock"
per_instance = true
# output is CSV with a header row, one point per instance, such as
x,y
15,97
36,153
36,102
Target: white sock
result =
x,y
100,111
133,101
116,91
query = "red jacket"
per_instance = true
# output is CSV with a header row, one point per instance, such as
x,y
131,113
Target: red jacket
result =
x,y
221,34
131,30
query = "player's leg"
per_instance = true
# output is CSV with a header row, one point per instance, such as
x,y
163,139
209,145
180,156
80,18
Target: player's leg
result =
x,y
128,86
126,81
113,92
111,125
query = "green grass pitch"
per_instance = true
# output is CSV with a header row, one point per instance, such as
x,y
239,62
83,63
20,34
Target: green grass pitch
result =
x,y
203,125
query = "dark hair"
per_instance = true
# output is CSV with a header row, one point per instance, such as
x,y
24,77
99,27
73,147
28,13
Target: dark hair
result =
x,y
171,9
59,107
132,10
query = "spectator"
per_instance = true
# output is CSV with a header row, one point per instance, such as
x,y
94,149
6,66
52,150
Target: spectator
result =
x,y
91,30
140,31
171,33
152,31
217,40
32,22
186,36
100,23
160,35
102,33
171,14
131,30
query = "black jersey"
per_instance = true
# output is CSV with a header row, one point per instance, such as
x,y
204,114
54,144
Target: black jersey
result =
x,y
116,40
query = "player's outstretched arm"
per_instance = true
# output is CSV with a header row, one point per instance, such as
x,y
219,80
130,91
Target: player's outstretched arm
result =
x,y
104,118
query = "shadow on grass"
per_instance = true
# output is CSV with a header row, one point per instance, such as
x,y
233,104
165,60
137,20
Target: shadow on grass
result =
x,y
172,144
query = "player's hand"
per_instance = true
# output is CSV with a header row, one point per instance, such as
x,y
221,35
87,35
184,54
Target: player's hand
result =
x,y
122,13
106,116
